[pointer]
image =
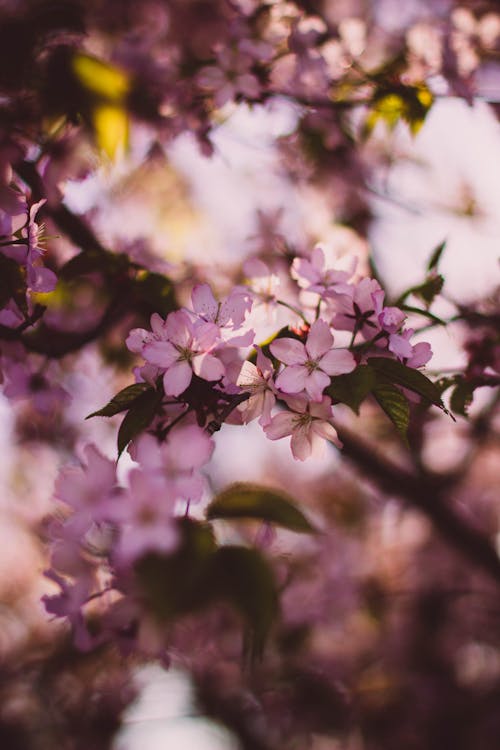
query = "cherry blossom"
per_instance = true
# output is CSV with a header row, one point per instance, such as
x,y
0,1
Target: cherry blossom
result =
x,y
307,423
185,349
310,366
315,276
258,381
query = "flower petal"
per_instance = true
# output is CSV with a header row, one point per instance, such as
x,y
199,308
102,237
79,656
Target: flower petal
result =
x,y
289,351
320,339
292,379
177,378
337,362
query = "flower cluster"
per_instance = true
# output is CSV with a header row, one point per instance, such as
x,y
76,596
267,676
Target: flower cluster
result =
x,y
107,527
199,371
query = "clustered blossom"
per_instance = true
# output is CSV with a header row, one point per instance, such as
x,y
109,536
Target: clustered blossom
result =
x,y
106,522
209,342
200,363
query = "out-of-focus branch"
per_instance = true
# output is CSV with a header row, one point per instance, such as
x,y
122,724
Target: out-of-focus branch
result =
x,y
428,495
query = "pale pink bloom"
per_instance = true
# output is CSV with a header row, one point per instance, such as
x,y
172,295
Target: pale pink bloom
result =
x,y
87,489
139,337
310,366
178,459
399,344
228,315
308,424
390,318
185,350
231,76
21,382
314,276
355,307
69,603
144,517
258,381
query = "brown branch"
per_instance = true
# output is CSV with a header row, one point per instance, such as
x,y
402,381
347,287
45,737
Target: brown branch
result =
x,y
426,494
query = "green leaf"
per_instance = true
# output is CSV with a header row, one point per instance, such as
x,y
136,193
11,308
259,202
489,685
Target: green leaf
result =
x,y
461,398
179,583
395,406
140,416
352,388
436,256
242,500
426,291
407,377
199,575
242,577
122,401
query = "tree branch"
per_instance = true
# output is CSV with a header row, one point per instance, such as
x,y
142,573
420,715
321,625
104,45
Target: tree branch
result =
x,y
428,496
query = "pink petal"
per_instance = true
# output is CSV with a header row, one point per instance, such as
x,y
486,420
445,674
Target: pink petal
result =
x,y
320,339
280,425
292,379
316,383
190,447
400,346
205,336
234,308
301,443
209,367
421,354
326,431
160,353
337,362
204,302
177,378
179,328
289,351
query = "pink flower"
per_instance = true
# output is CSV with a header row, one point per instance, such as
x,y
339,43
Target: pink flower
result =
x,y
139,337
46,397
185,350
307,423
258,381
314,276
310,366
231,76
355,308
87,489
177,460
228,314
144,517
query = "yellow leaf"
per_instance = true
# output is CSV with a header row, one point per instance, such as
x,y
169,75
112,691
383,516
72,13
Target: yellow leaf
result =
x,y
100,78
111,126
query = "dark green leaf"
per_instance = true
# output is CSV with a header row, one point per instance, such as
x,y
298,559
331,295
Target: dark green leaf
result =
x,y
198,575
242,500
139,417
242,577
407,377
436,256
176,584
425,291
461,398
394,405
352,388
122,401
